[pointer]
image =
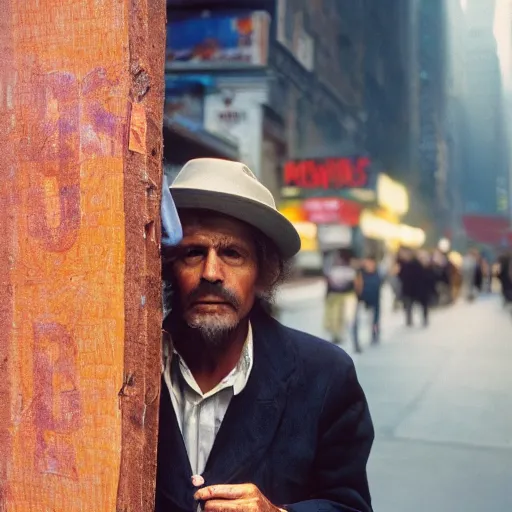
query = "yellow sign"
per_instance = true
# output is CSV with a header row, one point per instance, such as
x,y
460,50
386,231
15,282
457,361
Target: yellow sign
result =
x,y
293,211
379,228
308,233
392,195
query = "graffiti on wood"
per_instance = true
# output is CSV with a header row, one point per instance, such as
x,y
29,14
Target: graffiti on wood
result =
x,y
75,125
57,399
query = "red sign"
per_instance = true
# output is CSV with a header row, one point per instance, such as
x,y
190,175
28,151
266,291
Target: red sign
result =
x,y
329,173
323,210
488,229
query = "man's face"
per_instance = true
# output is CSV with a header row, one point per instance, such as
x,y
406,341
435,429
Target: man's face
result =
x,y
215,273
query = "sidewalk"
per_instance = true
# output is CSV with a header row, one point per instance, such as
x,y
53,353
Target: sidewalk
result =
x,y
441,401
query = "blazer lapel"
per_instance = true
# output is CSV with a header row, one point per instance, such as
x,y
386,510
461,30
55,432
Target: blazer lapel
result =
x,y
254,415
173,469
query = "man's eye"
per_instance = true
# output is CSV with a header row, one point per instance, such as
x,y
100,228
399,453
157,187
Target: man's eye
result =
x,y
232,254
193,253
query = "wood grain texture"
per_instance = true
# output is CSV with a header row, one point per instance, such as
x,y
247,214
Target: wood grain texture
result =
x,y
7,163
79,254
143,302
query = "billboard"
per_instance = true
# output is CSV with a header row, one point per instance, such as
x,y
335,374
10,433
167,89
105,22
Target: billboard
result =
x,y
218,41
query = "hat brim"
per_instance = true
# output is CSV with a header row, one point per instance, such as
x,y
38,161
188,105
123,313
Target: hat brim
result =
x,y
269,221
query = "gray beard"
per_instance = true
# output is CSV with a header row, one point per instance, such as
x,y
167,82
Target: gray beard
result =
x,y
214,330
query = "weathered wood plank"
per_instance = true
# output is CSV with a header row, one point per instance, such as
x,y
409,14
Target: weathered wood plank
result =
x,y
81,92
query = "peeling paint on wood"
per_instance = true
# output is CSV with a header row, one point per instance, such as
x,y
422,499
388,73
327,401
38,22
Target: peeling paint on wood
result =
x,y
72,270
138,128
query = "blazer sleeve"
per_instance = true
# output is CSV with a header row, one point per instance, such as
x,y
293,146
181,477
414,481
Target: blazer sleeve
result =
x,y
339,481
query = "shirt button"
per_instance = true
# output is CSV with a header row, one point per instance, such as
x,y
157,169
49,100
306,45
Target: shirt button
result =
x,y
197,480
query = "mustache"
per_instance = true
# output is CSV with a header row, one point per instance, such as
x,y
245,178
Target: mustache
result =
x,y
217,290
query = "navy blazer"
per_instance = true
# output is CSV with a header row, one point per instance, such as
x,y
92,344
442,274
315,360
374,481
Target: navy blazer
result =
x,y
300,430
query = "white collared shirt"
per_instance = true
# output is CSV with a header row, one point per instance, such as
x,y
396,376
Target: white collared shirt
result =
x,y
200,415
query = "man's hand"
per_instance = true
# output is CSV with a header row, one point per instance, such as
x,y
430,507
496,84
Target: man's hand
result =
x,y
245,497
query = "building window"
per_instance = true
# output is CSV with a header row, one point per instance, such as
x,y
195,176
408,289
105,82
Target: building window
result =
x,y
303,43
282,36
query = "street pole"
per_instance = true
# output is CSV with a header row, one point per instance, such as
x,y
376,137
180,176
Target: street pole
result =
x,y
81,104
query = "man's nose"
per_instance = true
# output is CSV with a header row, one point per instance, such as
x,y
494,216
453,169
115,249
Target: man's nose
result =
x,y
212,270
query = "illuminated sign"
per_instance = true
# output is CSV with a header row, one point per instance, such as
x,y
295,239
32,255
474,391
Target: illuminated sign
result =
x,y
323,210
379,228
392,195
328,173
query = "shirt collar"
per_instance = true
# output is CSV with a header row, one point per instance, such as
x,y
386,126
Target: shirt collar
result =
x,y
236,379
242,370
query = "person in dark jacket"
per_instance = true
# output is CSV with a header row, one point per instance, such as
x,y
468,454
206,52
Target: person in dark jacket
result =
x,y
479,275
418,283
368,286
253,415
505,277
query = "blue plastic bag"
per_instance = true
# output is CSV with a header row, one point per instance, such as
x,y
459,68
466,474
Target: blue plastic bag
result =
x,y
172,232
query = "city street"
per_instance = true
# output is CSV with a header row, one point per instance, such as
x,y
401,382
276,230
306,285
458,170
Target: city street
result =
x,y
441,400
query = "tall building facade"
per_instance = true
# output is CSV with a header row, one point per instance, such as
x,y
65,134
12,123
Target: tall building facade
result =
x,y
503,34
387,85
485,184
455,120
478,175
432,104
485,180
316,75
414,136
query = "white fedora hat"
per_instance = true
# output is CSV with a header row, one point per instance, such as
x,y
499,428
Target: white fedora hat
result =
x,y
232,189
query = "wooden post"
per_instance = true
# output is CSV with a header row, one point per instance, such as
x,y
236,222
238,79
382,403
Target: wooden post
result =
x,y
81,102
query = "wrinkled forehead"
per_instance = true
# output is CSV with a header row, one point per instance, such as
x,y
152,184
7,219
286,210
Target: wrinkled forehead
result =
x,y
209,224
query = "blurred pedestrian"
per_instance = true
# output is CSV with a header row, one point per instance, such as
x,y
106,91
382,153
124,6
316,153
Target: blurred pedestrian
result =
x,y
440,266
368,285
479,275
469,273
395,281
455,275
486,275
505,277
340,276
406,274
418,278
